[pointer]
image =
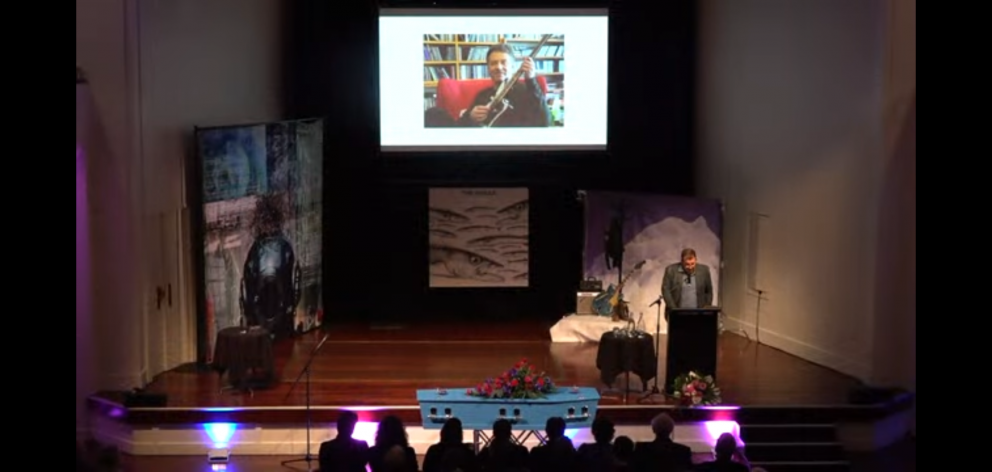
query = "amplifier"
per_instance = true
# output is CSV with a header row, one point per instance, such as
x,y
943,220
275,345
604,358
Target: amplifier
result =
x,y
583,303
590,285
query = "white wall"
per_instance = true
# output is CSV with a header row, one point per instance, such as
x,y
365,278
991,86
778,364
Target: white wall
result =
x,y
105,128
203,63
792,99
157,68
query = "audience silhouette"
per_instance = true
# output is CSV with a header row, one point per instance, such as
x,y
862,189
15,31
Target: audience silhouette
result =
x,y
663,454
503,454
558,453
391,451
450,450
344,453
728,457
623,452
598,456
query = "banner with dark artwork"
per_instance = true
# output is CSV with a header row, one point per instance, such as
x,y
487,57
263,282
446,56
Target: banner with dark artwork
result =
x,y
653,229
479,237
262,192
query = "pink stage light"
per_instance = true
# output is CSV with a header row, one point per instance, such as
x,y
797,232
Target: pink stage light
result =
x,y
716,428
365,430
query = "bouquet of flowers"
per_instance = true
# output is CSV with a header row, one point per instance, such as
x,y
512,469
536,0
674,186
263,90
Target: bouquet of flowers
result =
x,y
520,381
693,389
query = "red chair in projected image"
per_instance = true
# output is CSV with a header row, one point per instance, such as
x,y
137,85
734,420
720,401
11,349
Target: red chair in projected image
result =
x,y
455,96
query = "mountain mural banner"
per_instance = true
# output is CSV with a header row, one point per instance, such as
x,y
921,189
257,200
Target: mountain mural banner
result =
x,y
479,237
655,229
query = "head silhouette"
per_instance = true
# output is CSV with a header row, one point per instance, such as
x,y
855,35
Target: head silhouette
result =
x,y
346,424
603,430
451,432
502,430
726,444
555,427
391,433
663,426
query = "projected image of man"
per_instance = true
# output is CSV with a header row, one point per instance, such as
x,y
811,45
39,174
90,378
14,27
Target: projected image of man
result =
x,y
524,103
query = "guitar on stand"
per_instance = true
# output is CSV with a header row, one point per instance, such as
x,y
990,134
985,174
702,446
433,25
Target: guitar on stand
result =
x,y
610,302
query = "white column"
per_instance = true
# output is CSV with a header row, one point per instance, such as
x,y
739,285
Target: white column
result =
x,y
114,262
894,342
85,375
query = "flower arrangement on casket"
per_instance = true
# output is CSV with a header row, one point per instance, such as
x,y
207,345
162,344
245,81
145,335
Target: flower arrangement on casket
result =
x,y
520,381
693,389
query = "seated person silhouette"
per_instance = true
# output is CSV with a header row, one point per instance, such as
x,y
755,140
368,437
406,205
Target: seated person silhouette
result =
x,y
344,453
459,460
558,453
270,281
663,454
728,457
391,451
503,454
451,440
598,456
623,451
522,107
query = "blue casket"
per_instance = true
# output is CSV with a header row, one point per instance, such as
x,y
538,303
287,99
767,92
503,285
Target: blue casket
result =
x,y
577,406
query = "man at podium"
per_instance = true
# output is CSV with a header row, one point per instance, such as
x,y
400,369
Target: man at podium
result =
x,y
687,284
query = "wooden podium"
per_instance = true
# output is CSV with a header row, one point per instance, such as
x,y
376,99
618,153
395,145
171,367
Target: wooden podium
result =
x,y
692,337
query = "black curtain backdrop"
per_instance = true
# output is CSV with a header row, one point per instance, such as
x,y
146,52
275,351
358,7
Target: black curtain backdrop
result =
x,y
375,221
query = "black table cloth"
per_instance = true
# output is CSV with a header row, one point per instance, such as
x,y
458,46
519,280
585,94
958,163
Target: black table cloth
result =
x,y
619,353
244,354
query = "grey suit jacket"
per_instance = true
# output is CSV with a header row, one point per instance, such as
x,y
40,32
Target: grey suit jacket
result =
x,y
671,286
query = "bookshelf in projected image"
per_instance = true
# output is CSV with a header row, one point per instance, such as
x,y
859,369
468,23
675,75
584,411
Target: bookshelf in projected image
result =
x,y
463,56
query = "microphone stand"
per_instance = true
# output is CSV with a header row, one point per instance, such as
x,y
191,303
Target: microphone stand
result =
x,y
657,352
308,458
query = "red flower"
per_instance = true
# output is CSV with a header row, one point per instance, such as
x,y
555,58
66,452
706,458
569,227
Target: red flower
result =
x,y
514,383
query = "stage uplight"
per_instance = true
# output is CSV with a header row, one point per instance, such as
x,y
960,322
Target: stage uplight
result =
x,y
220,438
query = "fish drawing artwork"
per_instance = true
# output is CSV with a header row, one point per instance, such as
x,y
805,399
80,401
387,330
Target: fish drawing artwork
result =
x,y
459,263
479,237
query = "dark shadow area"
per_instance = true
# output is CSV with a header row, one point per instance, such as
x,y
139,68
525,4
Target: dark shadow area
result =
x,y
899,457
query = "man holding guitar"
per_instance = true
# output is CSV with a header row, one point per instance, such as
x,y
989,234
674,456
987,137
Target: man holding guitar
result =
x,y
687,284
524,101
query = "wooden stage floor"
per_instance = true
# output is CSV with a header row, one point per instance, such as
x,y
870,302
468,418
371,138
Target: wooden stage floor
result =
x,y
362,365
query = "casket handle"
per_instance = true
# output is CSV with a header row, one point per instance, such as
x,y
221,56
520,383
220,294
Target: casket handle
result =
x,y
433,417
572,417
516,418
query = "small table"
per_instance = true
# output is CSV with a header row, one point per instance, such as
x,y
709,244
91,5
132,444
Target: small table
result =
x,y
619,353
245,354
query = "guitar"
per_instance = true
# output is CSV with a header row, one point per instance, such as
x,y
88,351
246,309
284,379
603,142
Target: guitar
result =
x,y
498,103
607,303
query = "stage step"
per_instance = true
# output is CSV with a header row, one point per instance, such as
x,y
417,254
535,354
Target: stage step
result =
x,y
794,447
788,433
811,466
788,452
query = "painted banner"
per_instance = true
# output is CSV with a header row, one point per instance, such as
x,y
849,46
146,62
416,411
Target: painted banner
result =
x,y
262,188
